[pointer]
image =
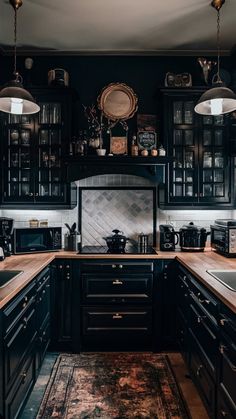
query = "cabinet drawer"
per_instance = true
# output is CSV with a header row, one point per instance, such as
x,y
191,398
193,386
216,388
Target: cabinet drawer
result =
x,y
17,343
201,377
118,319
43,302
21,389
132,288
17,308
228,368
117,267
206,334
204,299
228,322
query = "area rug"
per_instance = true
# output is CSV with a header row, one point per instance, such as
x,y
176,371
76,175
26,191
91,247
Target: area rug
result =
x,y
112,386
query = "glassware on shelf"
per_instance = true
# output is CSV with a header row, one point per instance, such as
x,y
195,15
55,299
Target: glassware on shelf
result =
x,y
206,137
178,190
55,113
14,159
188,176
178,112
25,137
43,137
219,190
188,159
219,120
14,190
45,159
188,190
14,135
44,190
219,160
25,189
14,119
44,114
55,136
177,137
207,175
188,112
207,159
207,189
188,137
207,120
218,175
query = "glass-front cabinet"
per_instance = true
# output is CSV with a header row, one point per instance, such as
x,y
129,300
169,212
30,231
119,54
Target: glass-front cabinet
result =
x,y
34,150
200,171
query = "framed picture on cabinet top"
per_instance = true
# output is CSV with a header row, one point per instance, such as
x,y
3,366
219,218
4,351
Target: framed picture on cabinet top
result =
x,y
118,145
147,140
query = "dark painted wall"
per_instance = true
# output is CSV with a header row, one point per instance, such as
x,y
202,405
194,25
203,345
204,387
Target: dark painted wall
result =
x,y
89,74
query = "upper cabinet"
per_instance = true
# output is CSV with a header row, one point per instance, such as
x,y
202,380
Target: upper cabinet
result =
x,y
34,149
200,173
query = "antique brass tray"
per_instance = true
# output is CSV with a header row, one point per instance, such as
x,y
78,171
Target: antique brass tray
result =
x,y
118,101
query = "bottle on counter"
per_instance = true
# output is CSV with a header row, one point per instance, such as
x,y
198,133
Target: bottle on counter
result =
x,y
134,146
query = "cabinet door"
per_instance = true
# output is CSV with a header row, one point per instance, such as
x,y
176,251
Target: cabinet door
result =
x,y
61,305
182,139
214,174
51,123
18,184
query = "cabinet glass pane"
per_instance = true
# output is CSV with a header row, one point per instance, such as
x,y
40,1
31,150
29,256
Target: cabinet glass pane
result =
x,y
25,189
177,109
178,176
13,189
188,137
44,114
219,120
188,190
57,190
55,137
207,190
188,159
219,160
207,120
188,112
188,176
207,176
14,137
178,190
44,190
218,175
177,137
219,190
206,137
218,137
207,159
43,137
179,158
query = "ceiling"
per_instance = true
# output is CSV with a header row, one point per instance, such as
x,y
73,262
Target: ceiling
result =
x,y
173,27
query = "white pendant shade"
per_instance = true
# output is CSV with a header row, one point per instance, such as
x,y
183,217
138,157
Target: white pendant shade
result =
x,y
14,99
216,101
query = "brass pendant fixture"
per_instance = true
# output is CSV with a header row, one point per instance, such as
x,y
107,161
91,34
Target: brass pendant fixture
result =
x,y
14,99
218,100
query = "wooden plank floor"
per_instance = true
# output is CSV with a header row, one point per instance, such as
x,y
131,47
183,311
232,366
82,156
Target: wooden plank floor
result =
x,y
186,385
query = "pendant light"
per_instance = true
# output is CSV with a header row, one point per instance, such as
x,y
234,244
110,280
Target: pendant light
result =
x,y
14,99
219,99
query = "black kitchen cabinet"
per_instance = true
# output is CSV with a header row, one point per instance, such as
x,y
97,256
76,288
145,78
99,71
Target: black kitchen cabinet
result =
x,y
116,304
65,307
23,322
200,173
34,148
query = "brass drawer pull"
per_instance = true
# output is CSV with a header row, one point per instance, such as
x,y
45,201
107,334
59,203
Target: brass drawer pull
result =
x,y
117,316
223,321
199,370
117,282
25,321
23,377
113,266
204,301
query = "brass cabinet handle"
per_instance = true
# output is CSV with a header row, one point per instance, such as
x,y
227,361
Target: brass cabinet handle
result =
x,y
23,376
117,282
223,413
121,266
204,301
113,266
223,321
117,316
25,322
199,370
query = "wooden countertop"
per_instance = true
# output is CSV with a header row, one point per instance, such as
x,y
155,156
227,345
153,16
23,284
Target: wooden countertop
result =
x,y
196,263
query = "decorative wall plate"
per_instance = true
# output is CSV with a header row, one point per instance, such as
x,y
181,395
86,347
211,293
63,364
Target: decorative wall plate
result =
x,y
118,101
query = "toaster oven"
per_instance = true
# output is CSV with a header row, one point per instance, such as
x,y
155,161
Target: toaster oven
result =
x,y
223,237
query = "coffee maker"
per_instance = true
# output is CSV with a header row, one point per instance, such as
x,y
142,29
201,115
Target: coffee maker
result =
x,y
6,228
168,237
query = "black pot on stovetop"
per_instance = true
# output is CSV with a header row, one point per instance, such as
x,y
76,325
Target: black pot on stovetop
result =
x,y
117,242
192,237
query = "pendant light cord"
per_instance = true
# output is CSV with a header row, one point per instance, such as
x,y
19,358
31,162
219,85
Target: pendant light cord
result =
x,y
218,80
15,37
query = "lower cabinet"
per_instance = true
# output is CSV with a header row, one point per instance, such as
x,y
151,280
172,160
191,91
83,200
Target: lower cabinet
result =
x,y
116,304
206,334
24,327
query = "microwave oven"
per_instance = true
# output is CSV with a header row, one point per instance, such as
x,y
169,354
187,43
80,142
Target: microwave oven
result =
x,y
35,240
223,237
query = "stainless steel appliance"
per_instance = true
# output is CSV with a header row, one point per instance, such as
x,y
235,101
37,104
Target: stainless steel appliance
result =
x,y
168,237
6,228
33,240
192,237
226,276
223,237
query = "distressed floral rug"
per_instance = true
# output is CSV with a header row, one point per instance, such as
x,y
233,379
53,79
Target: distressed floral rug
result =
x,y
112,386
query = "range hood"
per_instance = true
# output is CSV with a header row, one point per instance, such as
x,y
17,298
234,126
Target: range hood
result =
x,y
153,168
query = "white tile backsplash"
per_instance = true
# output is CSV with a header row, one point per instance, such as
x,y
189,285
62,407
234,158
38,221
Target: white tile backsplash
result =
x,y
60,217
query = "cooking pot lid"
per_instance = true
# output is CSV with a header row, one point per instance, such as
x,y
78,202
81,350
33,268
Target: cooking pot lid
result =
x,y
192,227
118,235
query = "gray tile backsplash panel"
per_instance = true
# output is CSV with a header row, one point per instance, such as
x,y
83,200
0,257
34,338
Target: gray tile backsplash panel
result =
x,y
130,211
114,180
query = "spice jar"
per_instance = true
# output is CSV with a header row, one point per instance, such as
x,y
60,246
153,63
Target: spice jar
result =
x,y
33,223
154,152
144,152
